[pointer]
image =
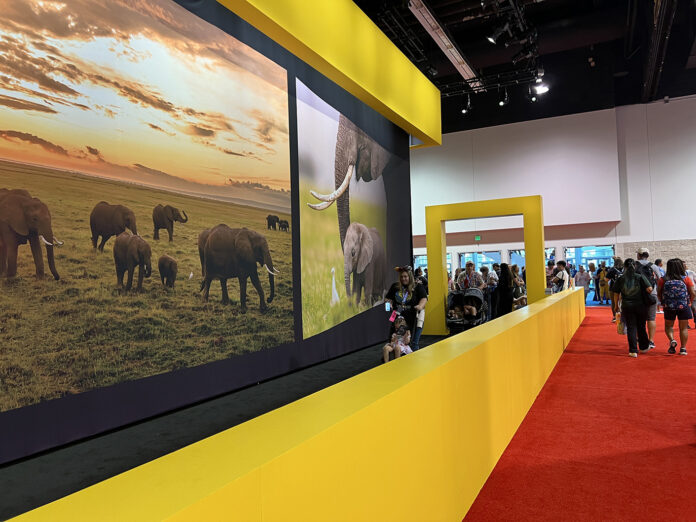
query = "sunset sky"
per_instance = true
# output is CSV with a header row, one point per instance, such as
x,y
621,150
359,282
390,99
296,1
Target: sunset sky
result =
x,y
129,89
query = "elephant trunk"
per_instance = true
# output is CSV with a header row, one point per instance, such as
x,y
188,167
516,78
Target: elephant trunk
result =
x,y
185,218
148,269
52,262
346,275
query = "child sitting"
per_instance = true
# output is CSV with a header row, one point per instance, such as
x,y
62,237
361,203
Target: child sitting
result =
x,y
400,340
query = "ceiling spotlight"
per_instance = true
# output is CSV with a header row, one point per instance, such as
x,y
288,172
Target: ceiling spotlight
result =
x,y
467,107
504,99
526,53
498,33
541,88
538,80
531,95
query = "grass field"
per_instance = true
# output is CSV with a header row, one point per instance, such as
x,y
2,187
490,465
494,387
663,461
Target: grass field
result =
x,y
79,333
320,247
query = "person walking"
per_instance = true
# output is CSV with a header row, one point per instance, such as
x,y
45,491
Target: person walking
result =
x,y
632,289
612,275
582,278
676,293
652,273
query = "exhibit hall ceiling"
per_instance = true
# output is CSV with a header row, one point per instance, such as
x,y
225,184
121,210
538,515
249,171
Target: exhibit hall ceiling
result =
x,y
502,61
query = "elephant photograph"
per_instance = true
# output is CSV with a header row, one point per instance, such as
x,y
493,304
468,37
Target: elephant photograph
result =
x,y
131,252
164,216
108,220
228,253
272,221
23,220
342,188
366,260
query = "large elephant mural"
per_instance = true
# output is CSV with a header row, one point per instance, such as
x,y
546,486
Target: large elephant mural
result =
x,y
357,155
25,219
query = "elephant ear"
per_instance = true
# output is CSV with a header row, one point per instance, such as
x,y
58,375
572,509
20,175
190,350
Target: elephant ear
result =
x,y
169,212
366,249
13,215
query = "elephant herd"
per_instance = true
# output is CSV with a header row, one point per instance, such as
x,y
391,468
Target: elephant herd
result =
x,y
274,221
224,252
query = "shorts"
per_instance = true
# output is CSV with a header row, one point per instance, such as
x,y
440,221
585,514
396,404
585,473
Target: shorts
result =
x,y
652,312
683,315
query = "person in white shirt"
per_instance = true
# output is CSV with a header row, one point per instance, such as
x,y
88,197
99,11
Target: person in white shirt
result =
x,y
583,278
562,279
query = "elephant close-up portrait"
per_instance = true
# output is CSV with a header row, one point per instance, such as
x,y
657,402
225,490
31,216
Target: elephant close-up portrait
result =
x,y
164,216
234,253
110,220
168,268
366,260
130,252
25,219
357,155
272,221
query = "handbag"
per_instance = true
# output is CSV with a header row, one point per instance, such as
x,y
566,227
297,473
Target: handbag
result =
x,y
648,299
620,327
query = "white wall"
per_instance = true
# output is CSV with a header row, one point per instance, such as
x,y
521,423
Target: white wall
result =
x,y
634,166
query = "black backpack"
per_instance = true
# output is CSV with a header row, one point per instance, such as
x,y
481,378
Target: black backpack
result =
x,y
647,271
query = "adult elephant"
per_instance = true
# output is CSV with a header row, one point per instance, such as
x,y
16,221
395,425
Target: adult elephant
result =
x,y
202,238
164,216
25,219
272,221
234,252
356,155
365,259
6,192
110,220
131,252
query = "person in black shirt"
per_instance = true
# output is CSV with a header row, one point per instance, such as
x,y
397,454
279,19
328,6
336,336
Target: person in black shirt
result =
x,y
408,298
504,291
630,288
612,275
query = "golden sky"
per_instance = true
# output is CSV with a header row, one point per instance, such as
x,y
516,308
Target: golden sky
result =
x,y
128,88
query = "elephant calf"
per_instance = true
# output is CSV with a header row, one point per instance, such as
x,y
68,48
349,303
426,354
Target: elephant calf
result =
x,y
164,217
283,225
168,268
131,252
366,260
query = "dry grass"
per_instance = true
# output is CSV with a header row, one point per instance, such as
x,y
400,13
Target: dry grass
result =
x,y
79,333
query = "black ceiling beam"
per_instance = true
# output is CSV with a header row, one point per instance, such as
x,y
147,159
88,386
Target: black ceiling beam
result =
x,y
662,28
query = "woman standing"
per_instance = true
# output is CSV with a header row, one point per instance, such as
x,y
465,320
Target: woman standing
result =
x,y
408,299
504,290
582,279
676,293
633,290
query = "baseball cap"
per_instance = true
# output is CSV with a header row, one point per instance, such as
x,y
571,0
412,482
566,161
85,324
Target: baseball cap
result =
x,y
642,251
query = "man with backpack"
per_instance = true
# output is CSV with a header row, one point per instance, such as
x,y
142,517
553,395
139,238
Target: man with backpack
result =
x,y
652,274
612,275
676,293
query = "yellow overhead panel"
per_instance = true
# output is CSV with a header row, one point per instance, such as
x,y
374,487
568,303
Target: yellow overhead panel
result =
x,y
340,41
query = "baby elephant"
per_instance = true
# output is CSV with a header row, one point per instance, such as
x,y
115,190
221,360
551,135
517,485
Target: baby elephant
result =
x,y
283,225
167,268
130,252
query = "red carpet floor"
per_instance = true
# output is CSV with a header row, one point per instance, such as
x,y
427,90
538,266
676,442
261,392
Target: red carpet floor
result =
x,y
608,438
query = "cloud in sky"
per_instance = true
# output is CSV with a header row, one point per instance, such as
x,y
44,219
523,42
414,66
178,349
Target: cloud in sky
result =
x,y
151,82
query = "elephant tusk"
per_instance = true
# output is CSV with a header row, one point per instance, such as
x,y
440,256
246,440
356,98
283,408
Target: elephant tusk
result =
x,y
340,190
56,242
43,240
320,206
269,270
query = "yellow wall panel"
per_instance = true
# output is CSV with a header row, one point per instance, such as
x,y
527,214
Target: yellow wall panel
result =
x,y
340,41
411,440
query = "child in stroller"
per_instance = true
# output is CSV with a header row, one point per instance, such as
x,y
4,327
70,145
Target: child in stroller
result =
x,y
400,340
466,309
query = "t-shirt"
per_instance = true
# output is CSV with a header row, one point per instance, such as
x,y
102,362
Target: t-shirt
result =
x,y
631,289
563,277
473,280
582,279
399,297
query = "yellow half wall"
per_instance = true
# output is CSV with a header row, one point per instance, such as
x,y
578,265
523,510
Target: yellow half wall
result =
x,y
414,439
340,41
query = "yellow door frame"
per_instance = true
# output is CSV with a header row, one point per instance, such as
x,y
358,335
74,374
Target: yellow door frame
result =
x,y
436,217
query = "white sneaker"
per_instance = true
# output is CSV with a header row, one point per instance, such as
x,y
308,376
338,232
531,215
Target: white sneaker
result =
x,y
632,354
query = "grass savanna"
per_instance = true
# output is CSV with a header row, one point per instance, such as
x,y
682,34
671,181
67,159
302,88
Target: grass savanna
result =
x,y
79,333
320,247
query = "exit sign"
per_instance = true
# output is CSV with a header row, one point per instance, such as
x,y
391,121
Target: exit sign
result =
x,y
477,238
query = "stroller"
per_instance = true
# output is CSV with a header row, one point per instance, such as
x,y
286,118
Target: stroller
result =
x,y
459,299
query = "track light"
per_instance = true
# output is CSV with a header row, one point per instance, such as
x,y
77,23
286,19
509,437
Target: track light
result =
x,y
541,88
531,95
525,53
504,99
467,107
498,33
